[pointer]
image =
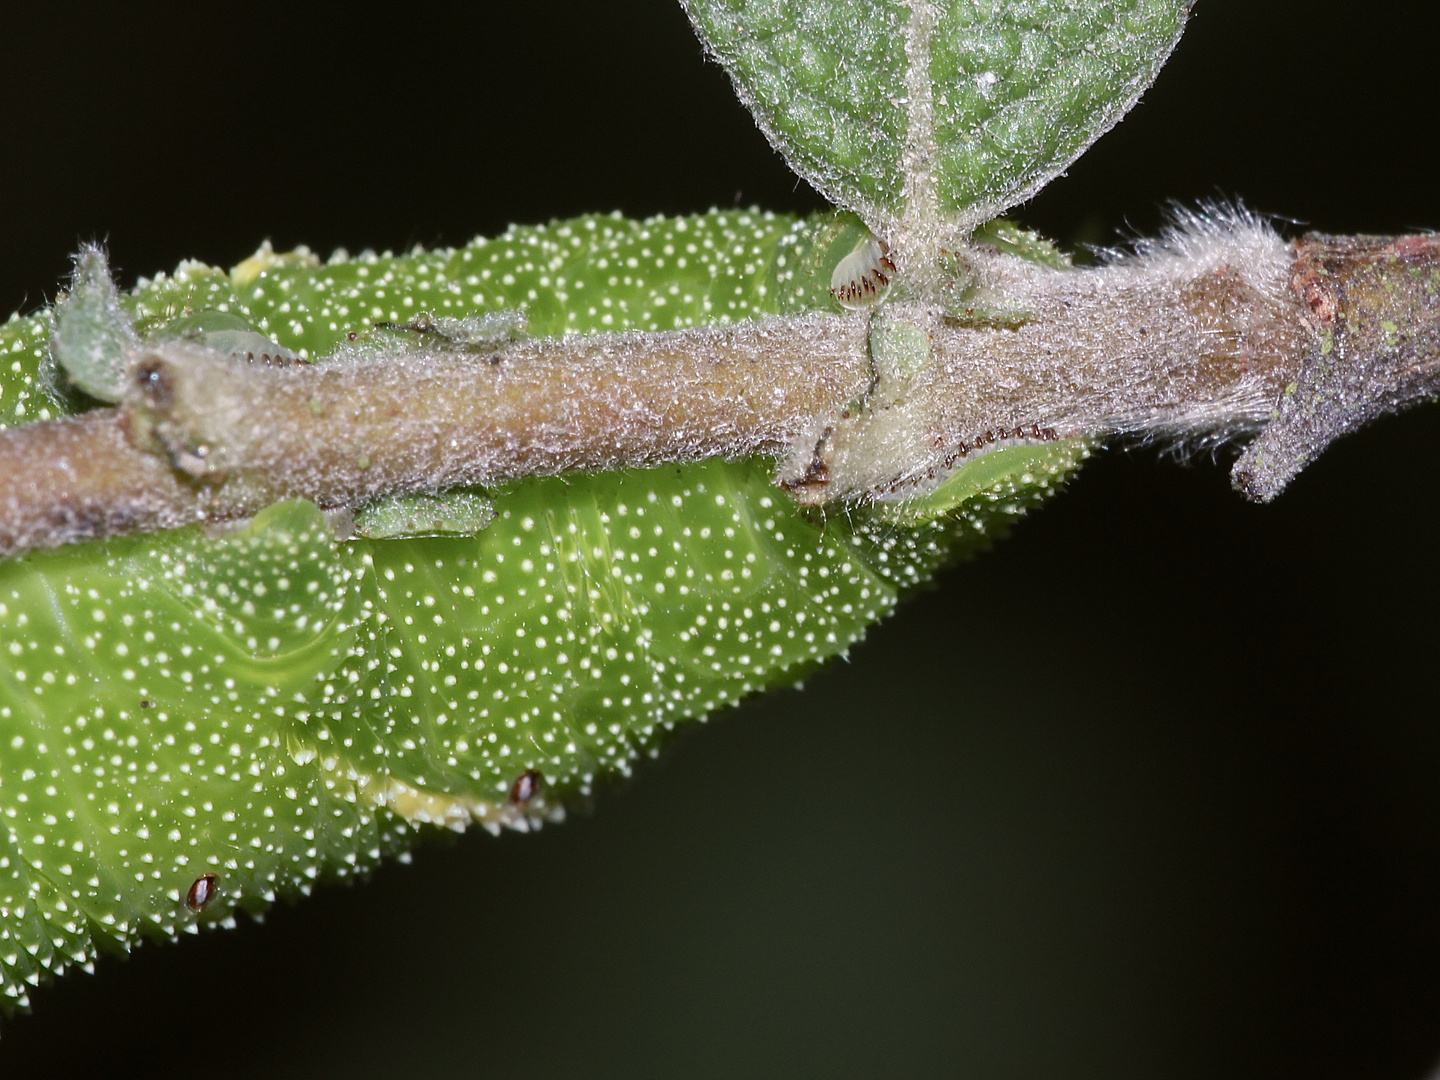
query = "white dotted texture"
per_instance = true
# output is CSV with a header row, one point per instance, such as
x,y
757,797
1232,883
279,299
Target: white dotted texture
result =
x,y
274,706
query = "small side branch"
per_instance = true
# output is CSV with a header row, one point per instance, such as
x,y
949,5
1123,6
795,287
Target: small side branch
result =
x,y
1374,306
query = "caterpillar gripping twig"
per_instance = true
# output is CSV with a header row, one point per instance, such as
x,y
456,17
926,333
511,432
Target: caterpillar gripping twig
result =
x,y
274,705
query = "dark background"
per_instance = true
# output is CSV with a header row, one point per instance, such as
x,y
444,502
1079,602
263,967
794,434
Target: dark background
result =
x,y
1151,791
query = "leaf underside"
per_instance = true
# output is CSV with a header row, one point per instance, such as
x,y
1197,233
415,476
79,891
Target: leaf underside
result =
x,y
989,99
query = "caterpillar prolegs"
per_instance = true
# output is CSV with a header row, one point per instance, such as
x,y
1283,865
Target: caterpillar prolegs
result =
x,y
194,724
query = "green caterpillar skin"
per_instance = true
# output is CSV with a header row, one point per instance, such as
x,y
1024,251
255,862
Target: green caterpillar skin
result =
x,y
275,707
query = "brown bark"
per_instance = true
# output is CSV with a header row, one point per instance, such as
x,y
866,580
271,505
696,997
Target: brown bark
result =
x,y
1306,343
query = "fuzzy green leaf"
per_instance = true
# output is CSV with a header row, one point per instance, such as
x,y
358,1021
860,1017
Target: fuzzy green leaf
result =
x,y
949,110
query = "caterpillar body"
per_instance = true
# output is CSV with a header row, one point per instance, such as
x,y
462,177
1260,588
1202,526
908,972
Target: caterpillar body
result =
x,y
191,725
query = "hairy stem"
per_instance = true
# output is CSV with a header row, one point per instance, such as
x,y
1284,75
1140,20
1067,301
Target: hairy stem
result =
x,y
1217,330
81,478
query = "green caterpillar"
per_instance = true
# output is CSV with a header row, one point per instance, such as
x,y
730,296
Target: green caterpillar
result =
x,y
192,724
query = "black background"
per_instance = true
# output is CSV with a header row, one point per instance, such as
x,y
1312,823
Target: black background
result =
x,y
1149,791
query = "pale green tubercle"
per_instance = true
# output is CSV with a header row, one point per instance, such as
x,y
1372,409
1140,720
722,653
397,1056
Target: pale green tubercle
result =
x,y
276,706
93,331
458,513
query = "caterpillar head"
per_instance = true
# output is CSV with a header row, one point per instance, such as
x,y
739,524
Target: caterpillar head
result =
x,y
862,278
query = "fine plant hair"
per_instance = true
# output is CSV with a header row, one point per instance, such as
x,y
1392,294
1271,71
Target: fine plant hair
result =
x,y
1205,238
1188,339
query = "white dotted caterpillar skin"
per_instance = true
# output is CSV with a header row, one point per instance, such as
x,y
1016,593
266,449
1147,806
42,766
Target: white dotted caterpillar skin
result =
x,y
862,278
278,706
